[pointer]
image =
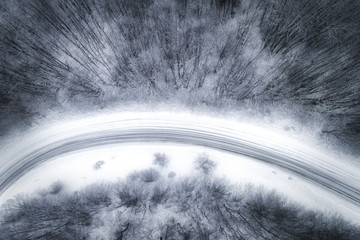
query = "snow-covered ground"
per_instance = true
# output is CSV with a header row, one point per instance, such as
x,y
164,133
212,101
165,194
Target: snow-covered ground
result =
x,y
75,168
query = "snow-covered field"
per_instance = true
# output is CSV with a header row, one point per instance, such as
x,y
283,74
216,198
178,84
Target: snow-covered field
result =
x,y
245,153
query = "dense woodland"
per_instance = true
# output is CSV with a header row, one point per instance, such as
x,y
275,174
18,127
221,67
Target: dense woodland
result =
x,y
298,55
157,204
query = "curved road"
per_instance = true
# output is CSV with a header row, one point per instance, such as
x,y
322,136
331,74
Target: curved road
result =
x,y
254,142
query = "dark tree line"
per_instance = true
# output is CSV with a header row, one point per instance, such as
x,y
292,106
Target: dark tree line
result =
x,y
150,205
63,54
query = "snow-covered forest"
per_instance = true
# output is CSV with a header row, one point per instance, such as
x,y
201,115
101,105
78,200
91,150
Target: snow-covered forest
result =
x,y
289,66
81,55
154,204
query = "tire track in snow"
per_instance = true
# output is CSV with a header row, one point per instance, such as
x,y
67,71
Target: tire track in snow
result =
x,y
250,142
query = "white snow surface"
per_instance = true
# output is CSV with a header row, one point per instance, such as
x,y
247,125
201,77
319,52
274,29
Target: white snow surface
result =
x,y
75,169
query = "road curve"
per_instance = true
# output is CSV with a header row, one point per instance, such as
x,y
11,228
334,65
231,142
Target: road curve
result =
x,y
257,143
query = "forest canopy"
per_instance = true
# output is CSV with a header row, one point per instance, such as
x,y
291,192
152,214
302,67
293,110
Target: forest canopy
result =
x,y
301,56
156,204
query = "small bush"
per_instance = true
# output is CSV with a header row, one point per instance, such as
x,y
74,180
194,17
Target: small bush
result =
x,y
98,164
97,195
161,159
204,164
149,175
131,194
56,187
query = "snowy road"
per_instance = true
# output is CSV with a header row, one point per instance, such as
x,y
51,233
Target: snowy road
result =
x,y
259,143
